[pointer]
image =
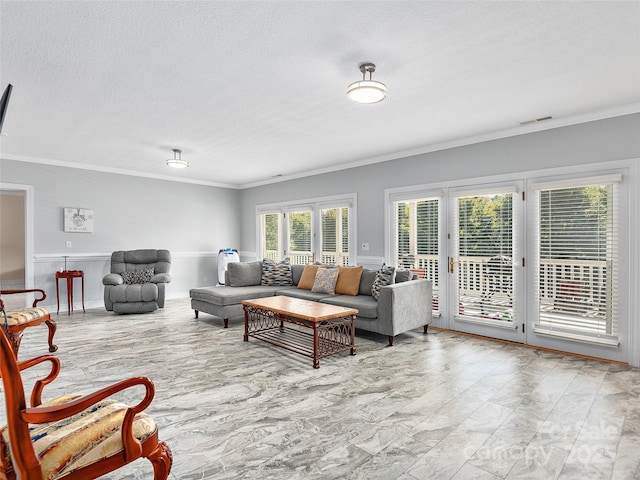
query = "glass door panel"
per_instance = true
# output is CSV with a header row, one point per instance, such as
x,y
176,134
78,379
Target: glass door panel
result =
x,y
483,263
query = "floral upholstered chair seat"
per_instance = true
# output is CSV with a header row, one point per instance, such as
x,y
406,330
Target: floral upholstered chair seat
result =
x,y
25,315
82,439
17,319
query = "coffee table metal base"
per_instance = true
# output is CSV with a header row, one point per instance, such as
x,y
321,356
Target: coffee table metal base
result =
x,y
324,338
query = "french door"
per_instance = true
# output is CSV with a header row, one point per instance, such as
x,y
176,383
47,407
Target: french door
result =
x,y
567,291
485,271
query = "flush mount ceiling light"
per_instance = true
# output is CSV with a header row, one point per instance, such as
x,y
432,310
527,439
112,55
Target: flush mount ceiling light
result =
x,y
176,161
367,91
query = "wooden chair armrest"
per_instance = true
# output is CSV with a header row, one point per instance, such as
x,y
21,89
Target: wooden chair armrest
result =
x,y
38,386
58,412
132,447
31,290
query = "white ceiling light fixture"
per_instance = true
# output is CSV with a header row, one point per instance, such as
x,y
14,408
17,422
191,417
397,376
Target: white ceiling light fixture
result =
x,y
367,91
177,161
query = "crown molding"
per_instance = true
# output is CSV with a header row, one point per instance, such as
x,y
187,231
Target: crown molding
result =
x,y
464,141
603,114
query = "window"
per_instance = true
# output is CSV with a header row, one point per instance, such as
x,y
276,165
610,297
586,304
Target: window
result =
x,y
577,260
271,226
335,235
417,240
299,251
318,230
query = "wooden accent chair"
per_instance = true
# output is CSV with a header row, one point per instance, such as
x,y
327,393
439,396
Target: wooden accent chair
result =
x,y
73,437
21,318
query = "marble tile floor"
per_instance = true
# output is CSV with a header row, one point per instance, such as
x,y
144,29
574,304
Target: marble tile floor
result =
x,y
436,406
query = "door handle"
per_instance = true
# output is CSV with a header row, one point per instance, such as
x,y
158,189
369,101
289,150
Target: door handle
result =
x,y
452,262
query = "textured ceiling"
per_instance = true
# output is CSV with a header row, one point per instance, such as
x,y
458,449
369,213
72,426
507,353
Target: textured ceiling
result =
x,y
253,90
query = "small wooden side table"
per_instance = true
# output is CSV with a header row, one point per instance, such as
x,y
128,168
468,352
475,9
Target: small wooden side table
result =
x,y
69,275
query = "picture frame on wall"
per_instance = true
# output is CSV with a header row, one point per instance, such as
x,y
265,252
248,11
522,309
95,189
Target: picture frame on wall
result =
x,y
78,220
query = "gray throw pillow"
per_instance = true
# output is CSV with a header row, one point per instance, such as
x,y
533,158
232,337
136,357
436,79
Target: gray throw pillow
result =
x,y
366,281
244,274
403,276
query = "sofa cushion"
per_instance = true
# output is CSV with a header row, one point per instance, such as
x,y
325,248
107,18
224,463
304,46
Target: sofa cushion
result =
x,y
384,277
112,279
366,305
303,294
159,260
243,274
403,276
276,273
308,276
131,277
296,273
366,281
348,280
225,295
325,281
138,292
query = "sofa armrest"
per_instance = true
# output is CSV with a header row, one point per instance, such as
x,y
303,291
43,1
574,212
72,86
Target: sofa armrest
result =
x,y
161,278
406,305
112,279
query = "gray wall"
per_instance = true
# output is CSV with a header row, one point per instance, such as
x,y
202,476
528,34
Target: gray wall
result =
x,y
195,221
600,141
192,221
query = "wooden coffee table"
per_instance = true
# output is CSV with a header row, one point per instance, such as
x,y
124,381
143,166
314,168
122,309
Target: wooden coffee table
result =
x,y
285,322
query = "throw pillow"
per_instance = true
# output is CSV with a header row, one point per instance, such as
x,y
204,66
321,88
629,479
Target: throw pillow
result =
x,y
137,276
276,273
325,281
308,276
348,280
384,277
243,274
366,281
403,276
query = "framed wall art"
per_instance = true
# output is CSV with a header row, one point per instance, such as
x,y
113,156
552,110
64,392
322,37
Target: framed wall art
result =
x,y
78,220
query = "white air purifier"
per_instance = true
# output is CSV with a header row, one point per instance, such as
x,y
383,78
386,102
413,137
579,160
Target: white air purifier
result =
x,y
225,257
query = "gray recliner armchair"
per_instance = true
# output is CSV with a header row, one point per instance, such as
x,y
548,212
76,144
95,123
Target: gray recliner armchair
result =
x,y
137,281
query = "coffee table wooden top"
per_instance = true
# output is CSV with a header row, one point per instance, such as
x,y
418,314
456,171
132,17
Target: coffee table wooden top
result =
x,y
303,309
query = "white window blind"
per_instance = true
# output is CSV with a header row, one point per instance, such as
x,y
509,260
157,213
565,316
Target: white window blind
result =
x,y
577,257
335,235
304,230
417,240
300,251
486,256
271,228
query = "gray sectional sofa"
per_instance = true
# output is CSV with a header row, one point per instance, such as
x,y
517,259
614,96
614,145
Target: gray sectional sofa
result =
x,y
402,306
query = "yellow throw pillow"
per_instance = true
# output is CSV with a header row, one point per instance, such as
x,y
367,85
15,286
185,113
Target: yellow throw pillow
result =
x,y
348,280
308,276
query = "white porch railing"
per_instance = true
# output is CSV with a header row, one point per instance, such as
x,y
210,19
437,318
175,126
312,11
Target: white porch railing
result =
x,y
565,285
302,258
